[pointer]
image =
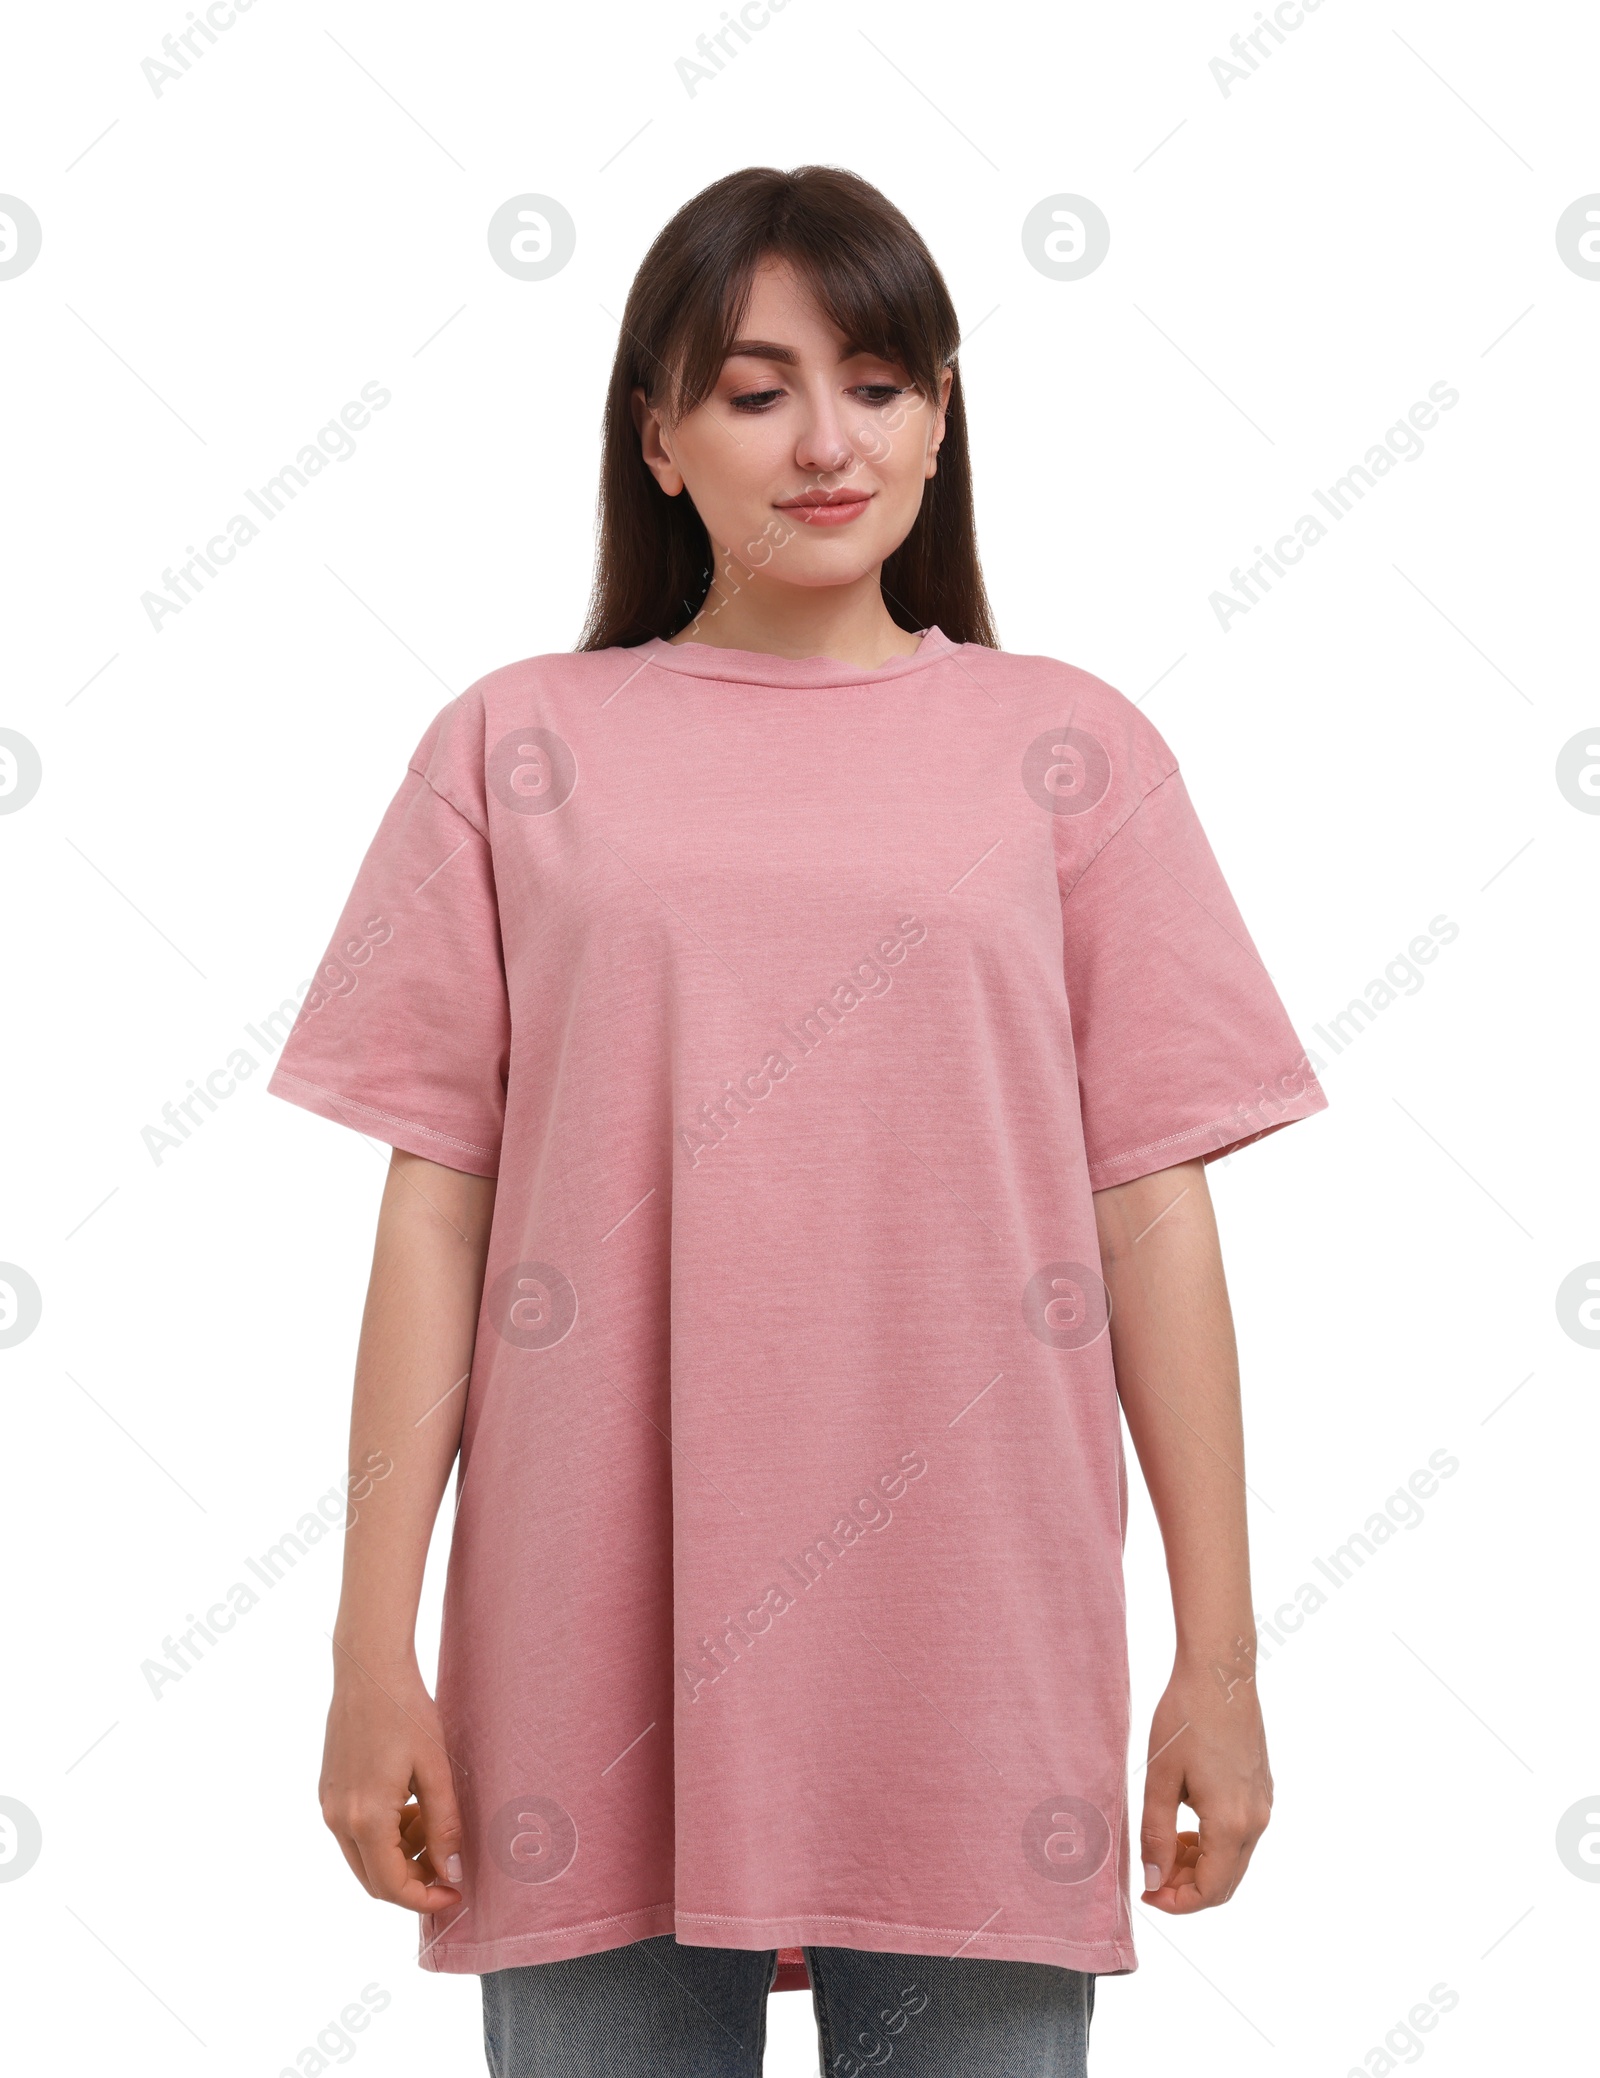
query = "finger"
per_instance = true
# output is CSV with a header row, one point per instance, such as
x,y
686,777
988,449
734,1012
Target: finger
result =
x,y
1219,1864
391,1878
1179,1879
1251,1841
1245,1824
389,1872
414,1838
441,1818
411,1829
351,1853
1158,1831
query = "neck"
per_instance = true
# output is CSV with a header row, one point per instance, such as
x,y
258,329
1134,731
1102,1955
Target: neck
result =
x,y
846,621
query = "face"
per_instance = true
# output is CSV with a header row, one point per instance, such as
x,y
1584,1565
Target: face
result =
x,y
807,459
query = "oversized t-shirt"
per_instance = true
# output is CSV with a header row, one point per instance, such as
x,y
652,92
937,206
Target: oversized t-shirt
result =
x,y
799,1009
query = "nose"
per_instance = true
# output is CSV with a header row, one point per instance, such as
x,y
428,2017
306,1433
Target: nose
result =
x,y
823,446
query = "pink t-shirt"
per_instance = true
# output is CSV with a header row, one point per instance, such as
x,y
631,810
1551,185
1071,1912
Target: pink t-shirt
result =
x,y
799,1009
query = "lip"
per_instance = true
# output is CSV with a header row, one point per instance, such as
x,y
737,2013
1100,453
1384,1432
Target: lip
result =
x,y
827,508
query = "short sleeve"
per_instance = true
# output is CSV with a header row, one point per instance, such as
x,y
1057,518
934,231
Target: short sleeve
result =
x,y
1184,1048
405,1031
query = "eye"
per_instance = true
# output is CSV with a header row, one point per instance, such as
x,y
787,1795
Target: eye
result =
x,y
754,400
879,393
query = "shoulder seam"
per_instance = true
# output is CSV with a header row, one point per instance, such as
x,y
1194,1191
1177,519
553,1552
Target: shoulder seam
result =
x,y
434,788
1112,834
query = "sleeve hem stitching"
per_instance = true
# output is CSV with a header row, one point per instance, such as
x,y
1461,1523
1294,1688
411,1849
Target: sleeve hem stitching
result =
x,y
392,1118
1220,1132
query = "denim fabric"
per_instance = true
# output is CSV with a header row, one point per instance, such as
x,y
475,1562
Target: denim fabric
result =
x,y
655,2009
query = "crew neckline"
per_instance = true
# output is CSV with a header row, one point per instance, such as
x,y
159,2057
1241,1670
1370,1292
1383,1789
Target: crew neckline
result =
x,y
758,667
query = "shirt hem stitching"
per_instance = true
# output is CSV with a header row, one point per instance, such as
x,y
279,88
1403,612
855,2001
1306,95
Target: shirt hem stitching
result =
x,y
888,1926
473,1956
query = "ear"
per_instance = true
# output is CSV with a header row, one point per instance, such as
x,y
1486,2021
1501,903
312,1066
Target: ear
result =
x,y
936,433
654,446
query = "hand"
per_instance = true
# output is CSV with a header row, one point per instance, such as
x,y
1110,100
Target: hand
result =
x,y
1210,1752
385,1748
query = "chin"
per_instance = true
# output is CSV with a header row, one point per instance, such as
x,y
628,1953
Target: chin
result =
x,y
810,561
832,570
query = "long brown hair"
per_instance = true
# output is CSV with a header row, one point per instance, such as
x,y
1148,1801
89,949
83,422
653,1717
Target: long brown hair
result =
x,y
877,281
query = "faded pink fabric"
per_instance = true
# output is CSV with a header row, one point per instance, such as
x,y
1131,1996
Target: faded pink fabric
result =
x,y
799,1010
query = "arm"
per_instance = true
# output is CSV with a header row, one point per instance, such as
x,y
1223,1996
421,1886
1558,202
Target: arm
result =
x,y
1178,1379
384,1739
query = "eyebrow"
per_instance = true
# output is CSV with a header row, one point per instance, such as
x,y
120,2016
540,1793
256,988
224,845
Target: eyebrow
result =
x,y
763,350
769,350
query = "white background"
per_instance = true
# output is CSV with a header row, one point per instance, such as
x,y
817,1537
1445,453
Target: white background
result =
x,y
1292,265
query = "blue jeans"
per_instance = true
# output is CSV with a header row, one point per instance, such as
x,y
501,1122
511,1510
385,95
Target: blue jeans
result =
x,y
655,2009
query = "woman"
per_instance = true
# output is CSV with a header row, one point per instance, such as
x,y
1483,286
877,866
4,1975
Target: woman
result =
x,y
801,1028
